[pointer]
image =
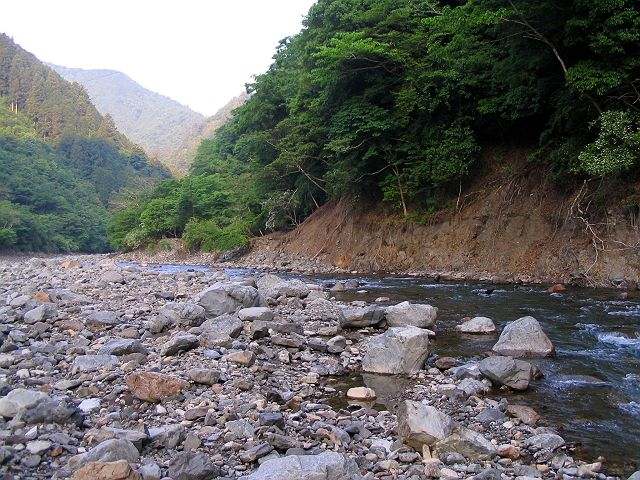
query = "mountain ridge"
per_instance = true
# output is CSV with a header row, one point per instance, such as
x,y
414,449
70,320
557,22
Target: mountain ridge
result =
x,y
62,163
160,125
165,128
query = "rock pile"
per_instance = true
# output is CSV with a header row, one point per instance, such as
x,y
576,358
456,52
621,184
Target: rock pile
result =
x,y
123,373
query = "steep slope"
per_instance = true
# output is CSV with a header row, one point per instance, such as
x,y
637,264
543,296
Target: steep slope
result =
x,y
160,125
63,115
57,107
166,129
355,105
208,129
222,116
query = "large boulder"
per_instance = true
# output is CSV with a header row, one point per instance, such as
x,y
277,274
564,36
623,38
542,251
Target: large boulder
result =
x,y
241,357
471,386
221,298
524,338
400,350
102,319
182,314
315,294
220,331
477,325
92,363
361,394
19,399
468,443
325,466
137,437
357,317
192,466
544,441
420,424
180,342
525,414
413,314
500,370
69,297
51,410
252,314
272,286
111,276
108,451
166,436
120,470
40,313
204,376
121,346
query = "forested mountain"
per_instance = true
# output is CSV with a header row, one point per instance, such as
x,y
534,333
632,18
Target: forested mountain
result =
x,y
62,164
222,116
165,128
394,100
44,204
56,106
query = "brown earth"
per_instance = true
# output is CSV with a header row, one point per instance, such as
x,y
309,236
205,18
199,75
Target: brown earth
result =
x,y
510,224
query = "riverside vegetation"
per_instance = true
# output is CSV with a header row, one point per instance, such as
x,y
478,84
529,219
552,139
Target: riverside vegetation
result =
x,y
394,101
118,372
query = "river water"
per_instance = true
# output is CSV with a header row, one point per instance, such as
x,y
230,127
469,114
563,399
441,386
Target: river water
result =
x,y
591,388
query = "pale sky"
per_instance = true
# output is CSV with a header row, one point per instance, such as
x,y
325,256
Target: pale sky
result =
x,y
198,52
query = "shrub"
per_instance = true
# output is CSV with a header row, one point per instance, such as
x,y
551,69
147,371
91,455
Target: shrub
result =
x,y
164,245
617,147
208,236
8,237
160,216
136,238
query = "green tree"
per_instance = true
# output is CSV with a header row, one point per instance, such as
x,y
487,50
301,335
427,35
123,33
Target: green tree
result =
x,y
394,101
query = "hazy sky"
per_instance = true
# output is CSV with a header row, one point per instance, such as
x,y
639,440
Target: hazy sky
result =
x,y
199,52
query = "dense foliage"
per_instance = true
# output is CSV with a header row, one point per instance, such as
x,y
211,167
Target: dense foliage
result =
x,y
44,204
57,107
209,209
62,114
61,162
393,100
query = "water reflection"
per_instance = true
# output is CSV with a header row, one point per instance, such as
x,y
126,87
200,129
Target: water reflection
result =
x,y
390,390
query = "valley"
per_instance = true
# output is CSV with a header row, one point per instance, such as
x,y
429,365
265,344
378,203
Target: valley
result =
x,y
165,129
406,248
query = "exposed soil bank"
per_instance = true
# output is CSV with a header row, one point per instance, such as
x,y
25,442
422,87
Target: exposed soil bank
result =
x,y
505,226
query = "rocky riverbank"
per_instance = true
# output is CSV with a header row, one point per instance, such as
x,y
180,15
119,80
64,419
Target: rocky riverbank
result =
x,y
263,256
124,374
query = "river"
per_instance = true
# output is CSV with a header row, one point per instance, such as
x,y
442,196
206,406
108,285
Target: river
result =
x,y
591,388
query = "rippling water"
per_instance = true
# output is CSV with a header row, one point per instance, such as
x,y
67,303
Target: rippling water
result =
x,y
591,388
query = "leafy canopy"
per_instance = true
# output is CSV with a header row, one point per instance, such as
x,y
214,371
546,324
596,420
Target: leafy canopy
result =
x,y
393,101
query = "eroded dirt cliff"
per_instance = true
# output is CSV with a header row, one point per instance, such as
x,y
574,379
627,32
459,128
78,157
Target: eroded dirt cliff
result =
x,y
512,224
